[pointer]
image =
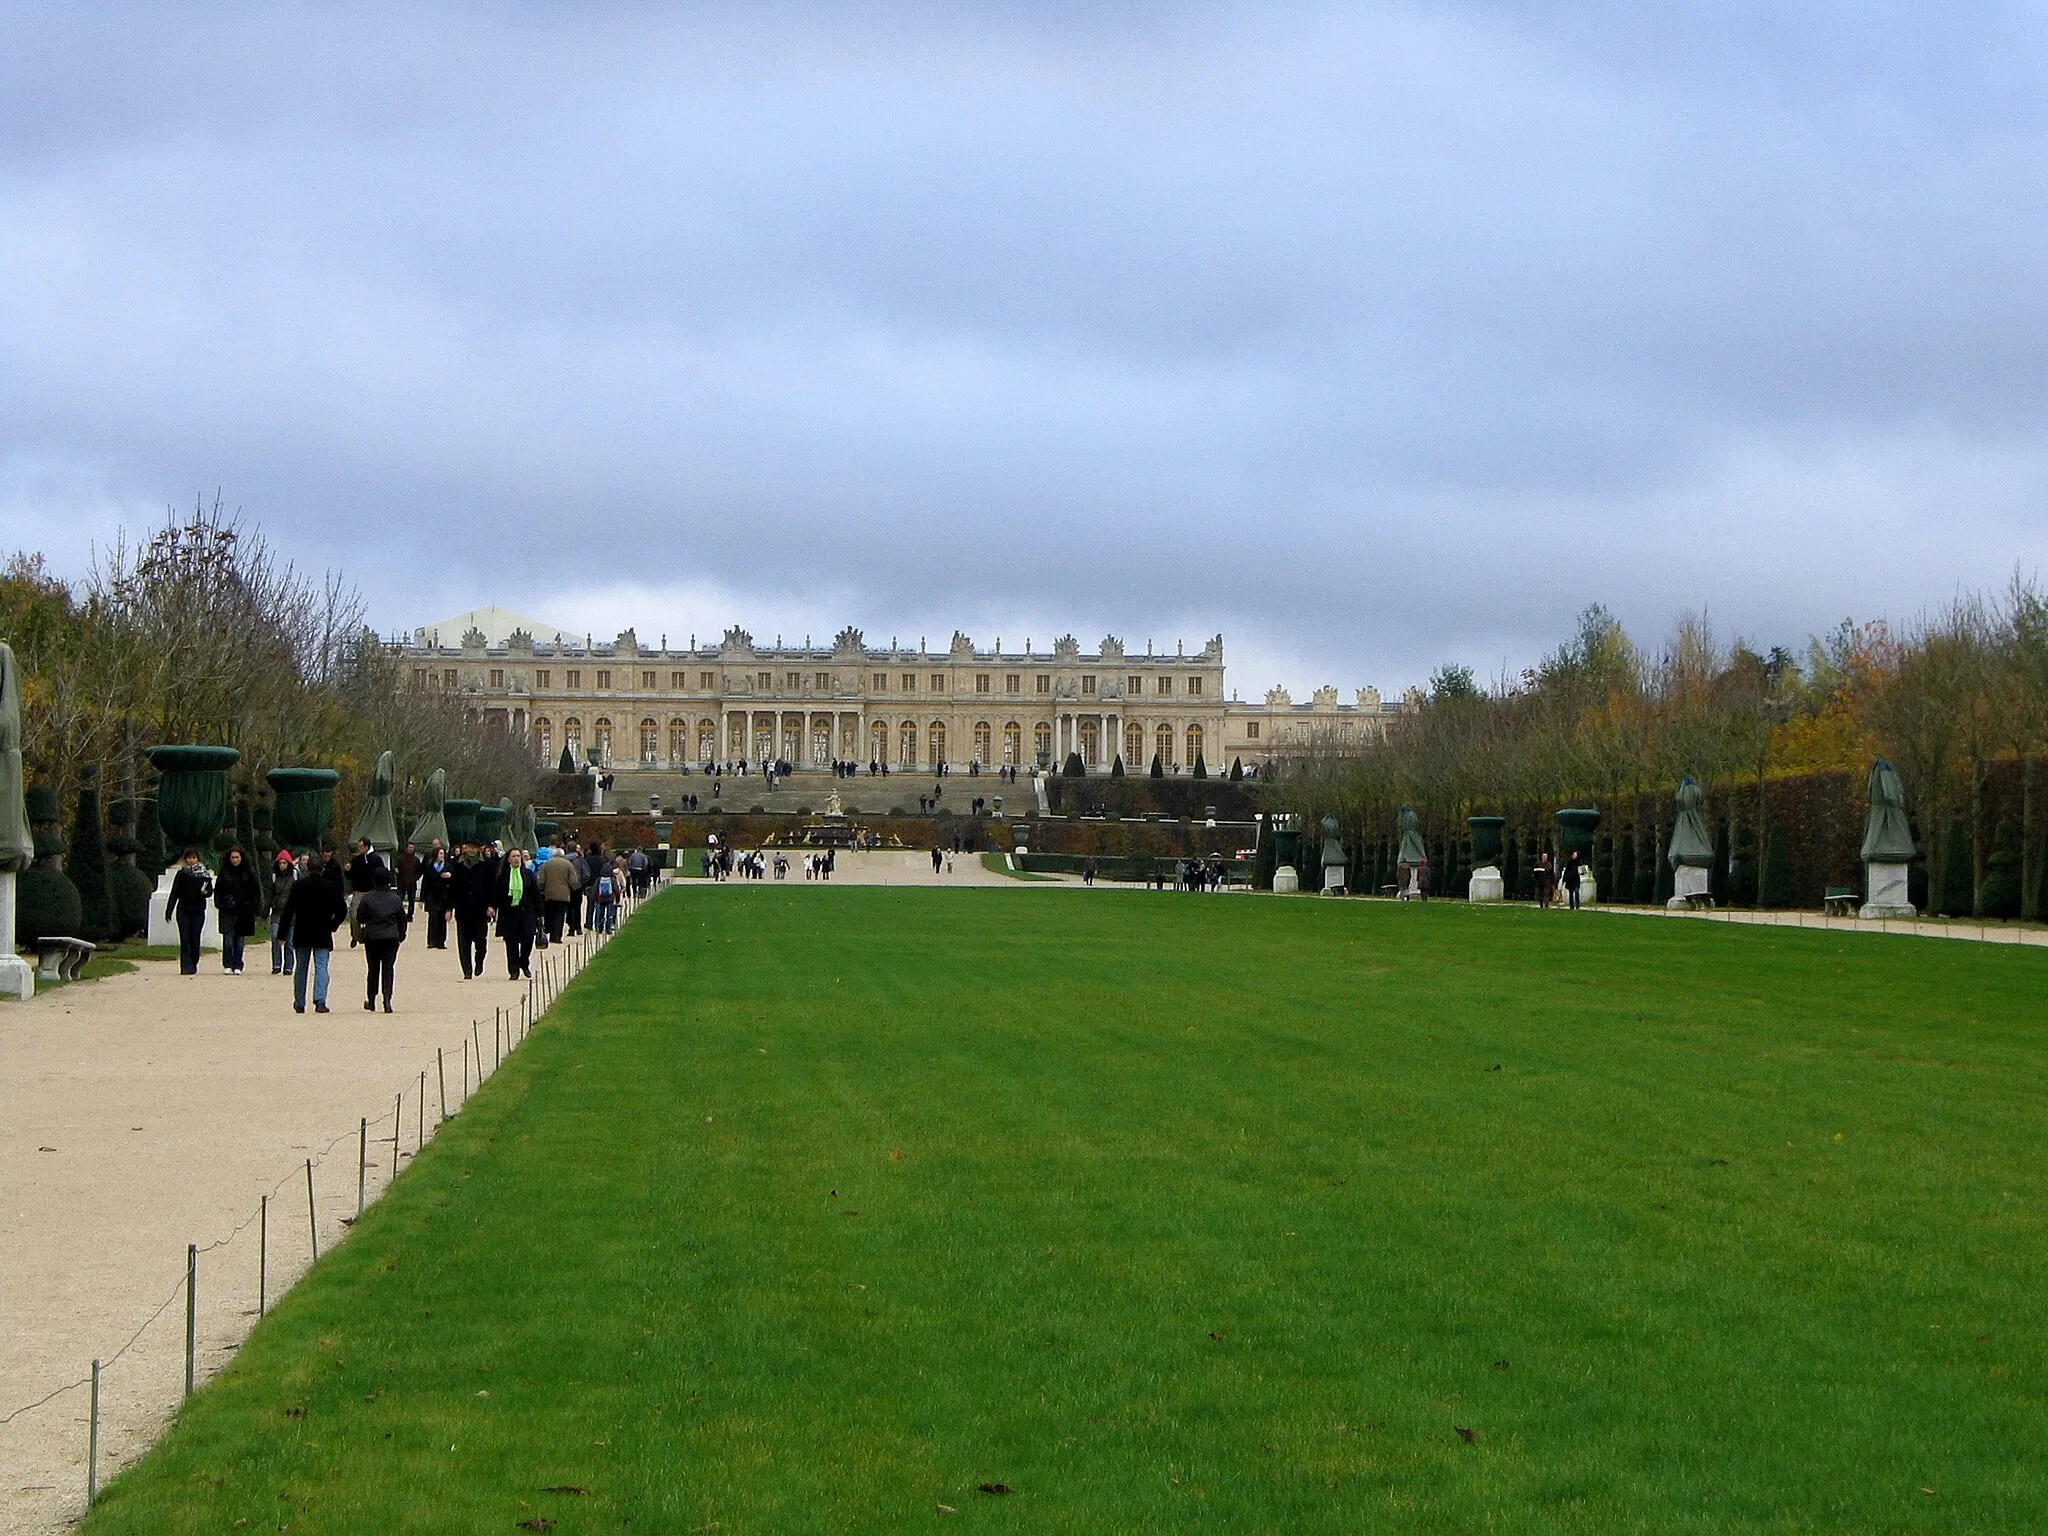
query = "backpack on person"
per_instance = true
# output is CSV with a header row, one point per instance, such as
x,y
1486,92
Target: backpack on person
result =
x,y
604,887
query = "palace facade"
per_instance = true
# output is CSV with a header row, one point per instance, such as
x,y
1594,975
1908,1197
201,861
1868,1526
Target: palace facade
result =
x,y
626,705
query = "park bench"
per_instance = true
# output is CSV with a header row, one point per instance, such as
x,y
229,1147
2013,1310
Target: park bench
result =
x,y
1839,901
61,959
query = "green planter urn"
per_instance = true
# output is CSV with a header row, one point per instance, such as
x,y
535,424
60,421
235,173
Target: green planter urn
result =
x,y
490,822
305,805
544,832
1486,833
461,818
1576,826
193,802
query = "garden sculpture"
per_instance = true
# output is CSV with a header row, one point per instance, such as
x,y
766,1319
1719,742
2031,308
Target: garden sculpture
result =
x,y
1692,851
1887,846
432,827
1414,858
1333,858
17,848
375,821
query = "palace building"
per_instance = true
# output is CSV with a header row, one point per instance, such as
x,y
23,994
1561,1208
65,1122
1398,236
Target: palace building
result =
x,y
626,705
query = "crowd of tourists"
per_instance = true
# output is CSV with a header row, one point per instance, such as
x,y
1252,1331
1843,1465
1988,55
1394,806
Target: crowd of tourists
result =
x,y
722,862
479,890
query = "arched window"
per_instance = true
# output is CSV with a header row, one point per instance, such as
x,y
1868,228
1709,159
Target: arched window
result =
x,y
650,741
1162,743
678,740
821,740
1194,744
938,743
984,742
1041,741
601,741
572,738
1134,746
1091,743
544,739
1013,744
878,742
906,743
707,741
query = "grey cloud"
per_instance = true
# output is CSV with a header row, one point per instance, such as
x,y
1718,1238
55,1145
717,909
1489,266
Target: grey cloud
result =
x,y
1366,334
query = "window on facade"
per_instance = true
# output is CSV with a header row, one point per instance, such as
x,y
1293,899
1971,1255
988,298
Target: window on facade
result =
x,y
881,682
1041,739
604,678
910,682
497,677
707,680
676,681
906,743
1134,686
707,741
937,736
419,677
1134,745
543,679
1013,743
1088,687
601,740
572,737
575,677
878,742
824,682
984,742
1164,685
450,679
1194,742
1194,687
650,742
1162,743
544,738
938,682
981,682
793,681
646,679
1251,730
765,681
1045,682
1013,683
679,741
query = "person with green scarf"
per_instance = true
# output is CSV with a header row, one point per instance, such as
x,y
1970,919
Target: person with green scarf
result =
x,y
516,904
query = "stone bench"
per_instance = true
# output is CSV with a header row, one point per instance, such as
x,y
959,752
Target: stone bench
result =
x,y
61,959
1840,901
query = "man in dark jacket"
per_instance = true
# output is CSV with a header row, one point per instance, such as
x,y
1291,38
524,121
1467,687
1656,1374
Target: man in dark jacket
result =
x,y
409,867
380,915
191,889
313,910
470,897
516,900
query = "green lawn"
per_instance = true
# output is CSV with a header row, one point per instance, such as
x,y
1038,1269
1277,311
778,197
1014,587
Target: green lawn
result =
x,y
816,1208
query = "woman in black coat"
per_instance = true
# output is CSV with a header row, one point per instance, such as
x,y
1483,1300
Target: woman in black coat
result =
x,y
516,902
191,890
237,895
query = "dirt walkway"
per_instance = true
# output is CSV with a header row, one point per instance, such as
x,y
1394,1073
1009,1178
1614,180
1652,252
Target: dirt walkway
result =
x,y
146,1112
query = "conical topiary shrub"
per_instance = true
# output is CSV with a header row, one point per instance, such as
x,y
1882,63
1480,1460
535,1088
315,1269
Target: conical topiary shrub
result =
x,y
46,902
88,864
1158,771
1956,900
2002,873
128,888
1116,769
1742,876
1717,877
1625,866
1201,768
1236,769
1649,860
1776,889
1074,768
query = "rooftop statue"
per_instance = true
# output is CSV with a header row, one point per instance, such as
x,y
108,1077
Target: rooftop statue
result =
x,y
375,820
1690,844
1887,834
17,848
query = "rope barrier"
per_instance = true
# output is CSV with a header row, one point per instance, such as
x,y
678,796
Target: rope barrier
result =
x,y
574,961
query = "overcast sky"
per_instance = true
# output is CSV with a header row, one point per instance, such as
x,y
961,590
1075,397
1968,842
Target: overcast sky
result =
x,y
1369,335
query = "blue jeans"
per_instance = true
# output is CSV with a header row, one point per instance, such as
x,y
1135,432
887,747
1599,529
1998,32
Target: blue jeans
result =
x,y
281,953
314,960
230,950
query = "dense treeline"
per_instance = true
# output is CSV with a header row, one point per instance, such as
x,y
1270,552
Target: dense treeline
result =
x,y
201,633
1958,700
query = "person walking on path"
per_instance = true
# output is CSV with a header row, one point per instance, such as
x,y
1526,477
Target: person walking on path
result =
x,y
470,892
313,910
283,876
1546,882
559,881
191,890
436,882
380,914
237,896
409,867
516,902
1571,879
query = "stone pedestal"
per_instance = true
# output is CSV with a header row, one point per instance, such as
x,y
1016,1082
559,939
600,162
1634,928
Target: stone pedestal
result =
x,y
1285,881
1885,885
1589,889
17,976
1487,885
1333,880
164,930
1688,886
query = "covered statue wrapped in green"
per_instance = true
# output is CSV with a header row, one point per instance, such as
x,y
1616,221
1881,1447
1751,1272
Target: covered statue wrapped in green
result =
x,y
376,820
1691,850
1333,860
17,847
1887,846
432,827
519,831
1413,860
